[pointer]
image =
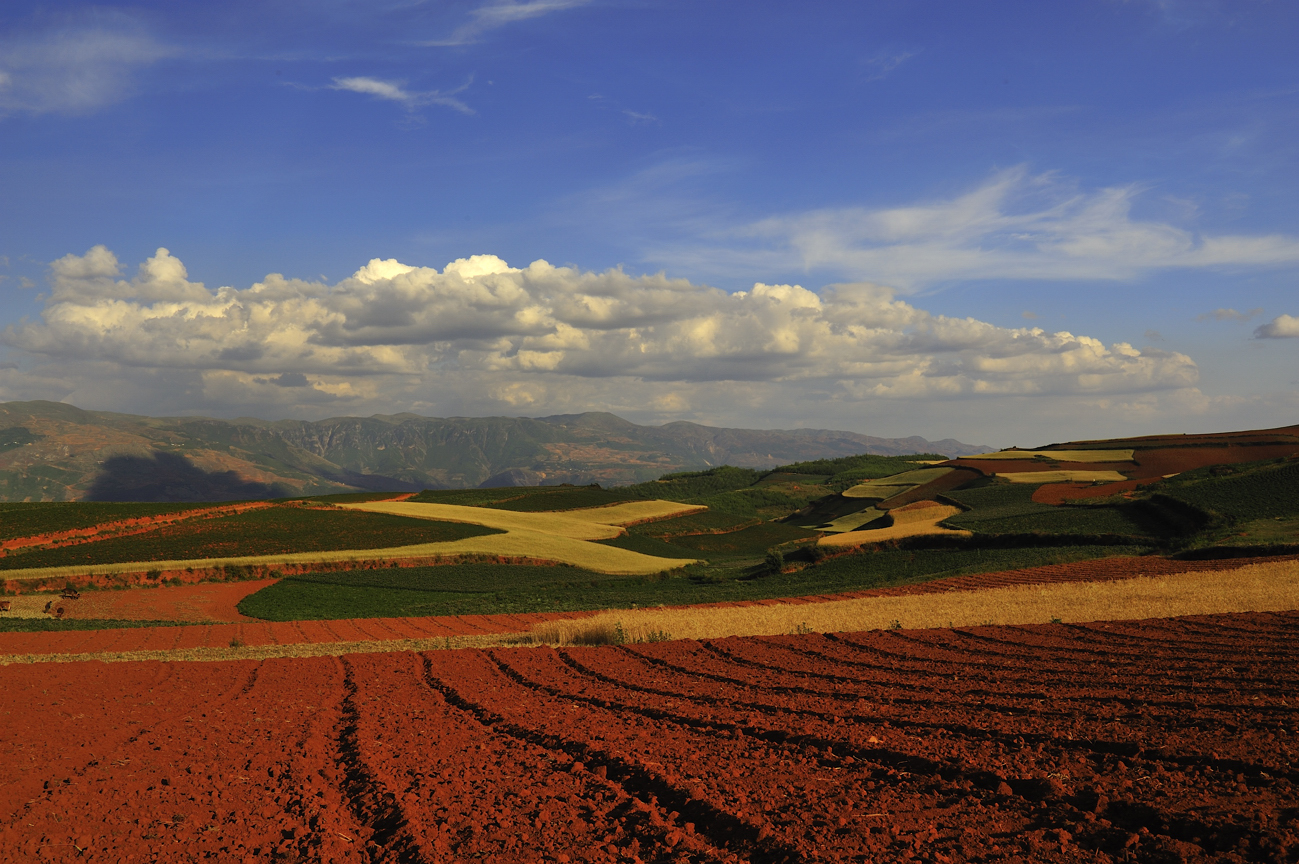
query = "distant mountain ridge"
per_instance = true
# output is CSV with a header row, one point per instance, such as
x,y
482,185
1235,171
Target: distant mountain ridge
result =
x,y
50,451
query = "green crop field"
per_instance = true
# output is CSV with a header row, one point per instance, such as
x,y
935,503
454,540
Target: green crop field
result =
x,y
1257,491
703,522
566,499
28,520
1010,509
754,540
483,589
270,531
49,625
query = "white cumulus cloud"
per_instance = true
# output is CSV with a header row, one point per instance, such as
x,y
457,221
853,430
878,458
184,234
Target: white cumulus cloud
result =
x,y
1280,327
541,336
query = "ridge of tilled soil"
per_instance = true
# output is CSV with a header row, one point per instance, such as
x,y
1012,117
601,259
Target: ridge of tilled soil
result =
x,y
1143,741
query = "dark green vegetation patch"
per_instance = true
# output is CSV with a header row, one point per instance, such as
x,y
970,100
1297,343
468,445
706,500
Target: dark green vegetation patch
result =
x,y
271,531
702,522
1009,508
1240,493
50,625
15,437
28,520
490,589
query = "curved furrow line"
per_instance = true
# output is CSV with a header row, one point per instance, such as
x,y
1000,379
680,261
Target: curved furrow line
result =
x,y
1194,668
1016,687
959,775
374,806
470,792
1012,703
1040,680
649,790
950,729
1138,642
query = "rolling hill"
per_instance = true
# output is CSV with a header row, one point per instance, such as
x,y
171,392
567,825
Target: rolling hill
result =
x,y
50,451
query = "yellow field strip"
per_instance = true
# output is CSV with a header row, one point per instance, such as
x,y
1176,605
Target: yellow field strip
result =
x,y
852,521
887,487
268,652
558,537
906,523
1063,476
1060,455
592,523
1271,587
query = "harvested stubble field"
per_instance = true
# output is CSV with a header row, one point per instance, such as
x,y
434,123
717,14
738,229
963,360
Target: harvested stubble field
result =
x,y
1141,741
1270,587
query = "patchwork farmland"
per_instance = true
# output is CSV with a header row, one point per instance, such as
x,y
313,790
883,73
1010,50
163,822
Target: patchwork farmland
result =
x,y
1083,651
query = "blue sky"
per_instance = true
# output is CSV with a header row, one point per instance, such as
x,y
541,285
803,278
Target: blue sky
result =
x,y
1010,223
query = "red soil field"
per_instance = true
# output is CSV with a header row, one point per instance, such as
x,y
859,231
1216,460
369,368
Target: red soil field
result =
x,y
1058,493
1157,463
1279,435
206,601
1017,466
1149,741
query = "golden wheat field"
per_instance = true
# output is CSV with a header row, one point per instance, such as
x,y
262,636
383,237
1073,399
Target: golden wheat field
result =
x,y
909,521
1269,587
1060,455
1063,477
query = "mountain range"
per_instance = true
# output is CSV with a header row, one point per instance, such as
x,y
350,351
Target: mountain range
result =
x,y
51,451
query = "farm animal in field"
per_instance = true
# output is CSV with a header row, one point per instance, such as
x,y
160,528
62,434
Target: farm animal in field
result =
x,y
4,605
70,593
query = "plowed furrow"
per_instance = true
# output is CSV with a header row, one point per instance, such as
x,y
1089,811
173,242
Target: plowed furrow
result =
x,y
650,795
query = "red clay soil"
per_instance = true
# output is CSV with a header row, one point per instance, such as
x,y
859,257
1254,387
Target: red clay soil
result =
x,y
1173,460
206,601
1058,493
1019,466
1146,741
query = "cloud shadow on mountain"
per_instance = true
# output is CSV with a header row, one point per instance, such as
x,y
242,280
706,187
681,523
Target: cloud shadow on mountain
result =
x,y
173,477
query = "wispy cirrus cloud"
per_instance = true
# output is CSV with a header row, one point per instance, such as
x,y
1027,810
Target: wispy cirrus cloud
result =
x,y
75,69
1015,226
880,65
394,91
492,15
